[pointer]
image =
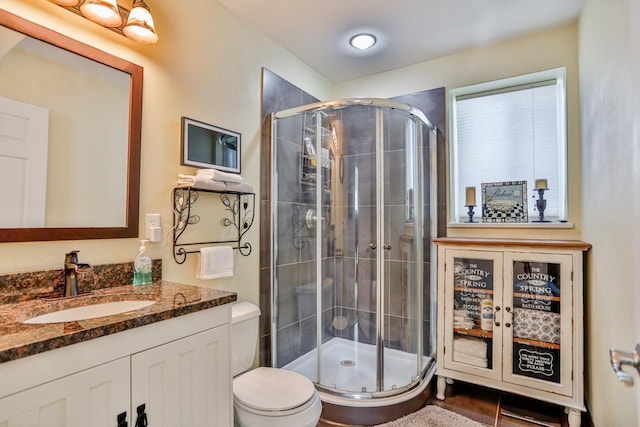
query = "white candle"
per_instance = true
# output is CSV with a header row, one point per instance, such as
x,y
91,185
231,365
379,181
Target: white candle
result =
x,y
541,184
471,196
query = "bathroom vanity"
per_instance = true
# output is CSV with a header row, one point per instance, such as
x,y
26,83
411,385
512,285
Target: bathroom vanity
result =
x,y
168,362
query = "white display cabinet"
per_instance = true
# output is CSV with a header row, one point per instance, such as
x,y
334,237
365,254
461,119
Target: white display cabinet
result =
x,y
510,317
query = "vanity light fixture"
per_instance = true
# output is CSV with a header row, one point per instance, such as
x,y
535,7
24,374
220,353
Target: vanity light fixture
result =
x,y
362,41
66,3
138,26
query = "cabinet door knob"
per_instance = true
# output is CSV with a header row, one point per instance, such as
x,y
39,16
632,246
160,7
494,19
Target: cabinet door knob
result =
x,y
373,246
508,325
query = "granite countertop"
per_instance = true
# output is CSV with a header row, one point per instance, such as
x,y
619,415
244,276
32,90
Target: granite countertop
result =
x,y
19,340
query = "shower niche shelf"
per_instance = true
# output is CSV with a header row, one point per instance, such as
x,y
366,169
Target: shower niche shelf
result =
x,y
240,208
316,154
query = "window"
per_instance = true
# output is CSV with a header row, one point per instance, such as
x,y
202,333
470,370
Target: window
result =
x,y
510,130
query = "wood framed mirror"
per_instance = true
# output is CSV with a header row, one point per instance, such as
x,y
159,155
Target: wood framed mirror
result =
x,y
78,112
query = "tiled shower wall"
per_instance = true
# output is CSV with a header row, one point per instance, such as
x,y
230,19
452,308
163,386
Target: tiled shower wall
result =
x,y
296,251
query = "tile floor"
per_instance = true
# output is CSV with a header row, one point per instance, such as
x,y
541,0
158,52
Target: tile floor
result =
x,y
484,405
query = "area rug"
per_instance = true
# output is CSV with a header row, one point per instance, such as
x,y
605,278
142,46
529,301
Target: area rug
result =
x,y
433,416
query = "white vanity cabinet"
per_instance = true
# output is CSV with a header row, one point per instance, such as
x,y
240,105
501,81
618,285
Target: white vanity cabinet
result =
x,y
92,397
185,382
179,369
510,317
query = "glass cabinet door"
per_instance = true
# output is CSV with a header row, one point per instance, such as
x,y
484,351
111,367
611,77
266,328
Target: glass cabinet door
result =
x,y
473,333
537,333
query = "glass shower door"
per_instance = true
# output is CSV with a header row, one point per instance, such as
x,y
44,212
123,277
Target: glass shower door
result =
x,y
402,250
348,358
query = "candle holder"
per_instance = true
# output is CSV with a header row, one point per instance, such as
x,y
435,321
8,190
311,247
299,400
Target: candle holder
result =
x,y
541,205
470,213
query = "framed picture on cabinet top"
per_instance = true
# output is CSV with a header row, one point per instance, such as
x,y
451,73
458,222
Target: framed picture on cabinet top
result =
x,y
504,201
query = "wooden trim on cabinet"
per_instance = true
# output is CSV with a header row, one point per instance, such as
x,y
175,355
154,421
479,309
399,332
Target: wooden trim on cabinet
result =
x,y
513,243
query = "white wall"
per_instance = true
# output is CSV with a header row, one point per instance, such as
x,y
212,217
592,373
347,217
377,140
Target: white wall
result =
x,y
207,66
609,55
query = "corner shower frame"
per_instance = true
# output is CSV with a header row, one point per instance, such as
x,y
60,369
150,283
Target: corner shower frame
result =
x,y
427,371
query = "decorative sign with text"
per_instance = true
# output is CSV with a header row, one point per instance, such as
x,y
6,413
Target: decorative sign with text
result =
x,y
473,283
536,320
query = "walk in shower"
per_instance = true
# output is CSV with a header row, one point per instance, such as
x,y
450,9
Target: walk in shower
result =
x,y
352,217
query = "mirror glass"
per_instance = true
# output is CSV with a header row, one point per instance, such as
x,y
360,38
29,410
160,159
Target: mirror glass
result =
x,y
69,137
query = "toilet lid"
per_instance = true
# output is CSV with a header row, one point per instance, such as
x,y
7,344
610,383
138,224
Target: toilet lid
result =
x,y
271,389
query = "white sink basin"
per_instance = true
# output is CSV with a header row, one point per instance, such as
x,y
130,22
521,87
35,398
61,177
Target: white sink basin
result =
x,y
90,311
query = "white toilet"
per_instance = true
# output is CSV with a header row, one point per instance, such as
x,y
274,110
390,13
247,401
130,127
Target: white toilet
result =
x,y
266,397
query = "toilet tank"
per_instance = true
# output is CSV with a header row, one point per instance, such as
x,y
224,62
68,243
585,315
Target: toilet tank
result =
x,y
244,336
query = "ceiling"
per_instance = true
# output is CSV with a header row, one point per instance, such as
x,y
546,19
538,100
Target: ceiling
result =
x,y
408,31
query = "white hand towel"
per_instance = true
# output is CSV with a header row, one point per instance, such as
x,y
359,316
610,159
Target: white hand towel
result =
x,y
200,182
240,188
215,262
219,175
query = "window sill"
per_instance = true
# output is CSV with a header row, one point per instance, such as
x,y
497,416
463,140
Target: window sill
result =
x,y
553,224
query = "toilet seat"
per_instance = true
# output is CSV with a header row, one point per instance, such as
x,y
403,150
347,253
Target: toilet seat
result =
x,y
272,390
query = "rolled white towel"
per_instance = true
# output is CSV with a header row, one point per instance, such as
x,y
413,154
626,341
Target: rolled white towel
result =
x,y
467,324
199,182
240,188
219,175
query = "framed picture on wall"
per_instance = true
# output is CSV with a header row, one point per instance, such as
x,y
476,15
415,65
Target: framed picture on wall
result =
x,y
209,147
504,201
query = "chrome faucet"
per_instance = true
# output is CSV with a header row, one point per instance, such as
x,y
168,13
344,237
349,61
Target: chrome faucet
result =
x,y
71,267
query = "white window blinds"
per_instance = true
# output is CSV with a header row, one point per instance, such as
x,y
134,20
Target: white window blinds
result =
x,y
510,134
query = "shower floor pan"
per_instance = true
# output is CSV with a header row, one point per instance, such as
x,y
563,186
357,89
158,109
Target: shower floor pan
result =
x,y
351,367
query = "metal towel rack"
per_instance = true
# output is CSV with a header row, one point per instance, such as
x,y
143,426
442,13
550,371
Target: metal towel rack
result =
x,y
241,207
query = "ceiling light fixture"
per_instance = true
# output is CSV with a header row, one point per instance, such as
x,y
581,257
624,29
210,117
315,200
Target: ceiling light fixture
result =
x,y
362,41
139,25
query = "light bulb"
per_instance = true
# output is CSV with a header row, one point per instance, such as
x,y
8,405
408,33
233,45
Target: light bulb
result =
x,y
104,12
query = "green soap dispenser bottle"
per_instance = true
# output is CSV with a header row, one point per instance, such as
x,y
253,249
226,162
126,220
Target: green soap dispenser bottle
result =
x,y
142,266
